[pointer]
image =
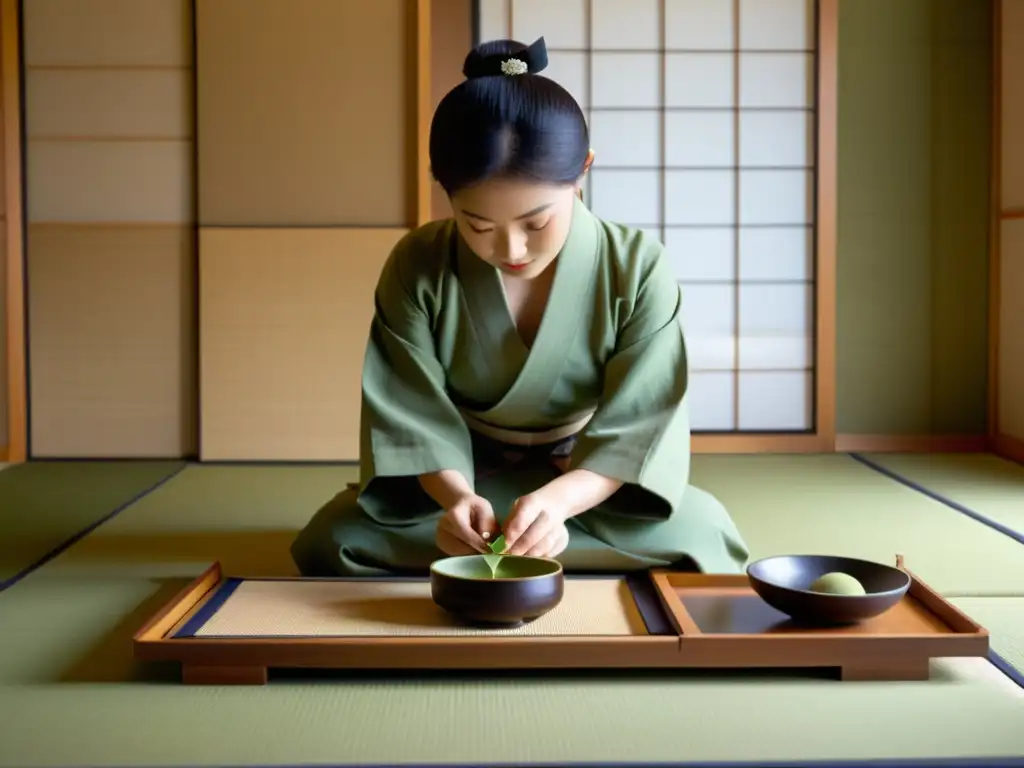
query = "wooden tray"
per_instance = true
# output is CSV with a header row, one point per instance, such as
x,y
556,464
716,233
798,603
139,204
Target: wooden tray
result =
x,y
231,630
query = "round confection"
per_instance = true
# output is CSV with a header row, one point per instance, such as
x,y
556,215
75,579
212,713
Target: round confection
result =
x,y
838,584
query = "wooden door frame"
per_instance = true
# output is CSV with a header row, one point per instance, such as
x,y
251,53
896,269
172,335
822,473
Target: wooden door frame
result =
x,y
1007,446
10,118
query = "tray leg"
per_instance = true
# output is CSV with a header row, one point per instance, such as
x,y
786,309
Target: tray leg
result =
x,y
887,670
198,674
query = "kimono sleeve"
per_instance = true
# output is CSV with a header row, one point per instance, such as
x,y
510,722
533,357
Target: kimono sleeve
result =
x,y
640,433
409,425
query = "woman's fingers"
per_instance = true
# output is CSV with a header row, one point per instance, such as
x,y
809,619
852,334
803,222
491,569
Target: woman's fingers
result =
x,y
451,544
524,513
552,544
541,524
482,520
460,523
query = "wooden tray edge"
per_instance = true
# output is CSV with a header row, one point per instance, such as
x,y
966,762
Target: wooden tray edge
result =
x,y
246,660
155,629
958,621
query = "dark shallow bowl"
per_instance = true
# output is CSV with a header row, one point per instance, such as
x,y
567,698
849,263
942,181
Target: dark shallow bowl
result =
x,y
525,588
784,583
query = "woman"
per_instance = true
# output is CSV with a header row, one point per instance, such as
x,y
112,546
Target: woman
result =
x,y
525,371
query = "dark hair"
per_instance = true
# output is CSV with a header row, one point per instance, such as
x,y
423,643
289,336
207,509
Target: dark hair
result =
x,y
505,120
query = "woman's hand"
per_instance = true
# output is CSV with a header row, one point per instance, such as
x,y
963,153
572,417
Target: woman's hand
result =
x,y
536,527
460,531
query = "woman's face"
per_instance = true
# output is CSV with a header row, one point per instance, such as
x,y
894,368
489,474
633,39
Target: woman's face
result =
x,y
517,226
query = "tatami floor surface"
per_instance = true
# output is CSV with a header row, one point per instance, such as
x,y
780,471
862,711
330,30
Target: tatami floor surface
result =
x,y
70,693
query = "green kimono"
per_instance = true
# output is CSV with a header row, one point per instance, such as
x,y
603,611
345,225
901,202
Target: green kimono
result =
x,y
447,383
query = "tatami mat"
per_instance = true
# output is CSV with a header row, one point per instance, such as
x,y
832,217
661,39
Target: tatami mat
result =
x,y
244,516
982,482
71,696
43,505
67,669
1004,618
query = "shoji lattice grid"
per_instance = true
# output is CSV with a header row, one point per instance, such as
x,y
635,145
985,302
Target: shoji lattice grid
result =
x,y
702,116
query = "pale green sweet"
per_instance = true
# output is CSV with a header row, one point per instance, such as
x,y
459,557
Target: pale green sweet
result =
x,y
837,583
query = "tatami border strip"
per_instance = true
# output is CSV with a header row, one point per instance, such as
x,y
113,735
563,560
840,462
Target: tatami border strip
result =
x,y
937,762
1006,668
977,516
81,534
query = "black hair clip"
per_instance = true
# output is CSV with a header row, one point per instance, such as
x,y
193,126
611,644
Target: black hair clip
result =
x,y
531,60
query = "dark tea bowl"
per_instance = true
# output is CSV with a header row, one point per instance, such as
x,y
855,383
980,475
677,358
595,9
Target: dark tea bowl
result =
x,y
524,589
784,583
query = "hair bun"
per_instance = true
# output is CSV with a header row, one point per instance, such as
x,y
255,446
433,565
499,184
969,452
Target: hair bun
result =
x,y
501,59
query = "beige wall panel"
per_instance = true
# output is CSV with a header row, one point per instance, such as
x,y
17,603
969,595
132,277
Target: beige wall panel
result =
x,y
155,33
451,26
104,181
284,317
96,104
1013,104
304,112
112,329
1011,330
3,335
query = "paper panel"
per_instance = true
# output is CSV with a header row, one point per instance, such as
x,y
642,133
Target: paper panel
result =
x,y
705,198
712,398
776,139
626,138
702,254
629,197
695,25
699,80
776,197
493,18
633,24
777,25
626,80
775,401
699,139
779,80
776,254
709,322
562,24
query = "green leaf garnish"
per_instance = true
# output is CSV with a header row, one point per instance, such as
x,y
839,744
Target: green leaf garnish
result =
x,y
497,548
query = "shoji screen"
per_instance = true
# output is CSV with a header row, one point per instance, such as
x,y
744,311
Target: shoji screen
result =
x,y
108,121
702,115
1010,205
